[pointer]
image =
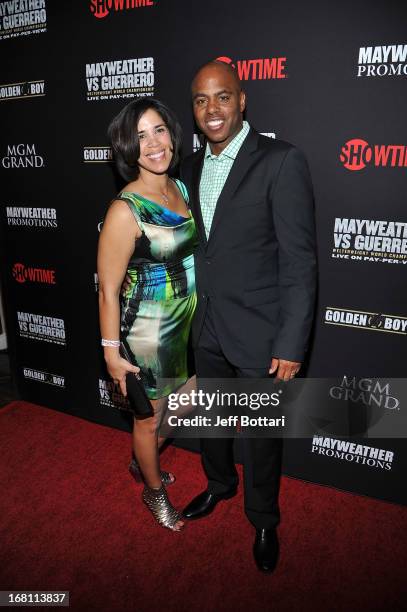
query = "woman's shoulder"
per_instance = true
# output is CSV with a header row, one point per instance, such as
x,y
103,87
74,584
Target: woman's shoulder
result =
x,y
119,210
125,202
129,195
119,216
129,191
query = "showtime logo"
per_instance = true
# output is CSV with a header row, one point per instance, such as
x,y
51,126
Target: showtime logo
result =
x,y
258,69
101,8
22,273
356,154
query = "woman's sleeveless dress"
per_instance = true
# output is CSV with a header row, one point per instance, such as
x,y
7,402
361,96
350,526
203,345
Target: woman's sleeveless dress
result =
x,y
157,309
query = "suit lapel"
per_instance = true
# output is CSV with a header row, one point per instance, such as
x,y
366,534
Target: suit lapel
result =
x,y
237,172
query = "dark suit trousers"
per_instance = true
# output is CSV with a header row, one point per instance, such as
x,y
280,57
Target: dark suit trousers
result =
x,y
261,456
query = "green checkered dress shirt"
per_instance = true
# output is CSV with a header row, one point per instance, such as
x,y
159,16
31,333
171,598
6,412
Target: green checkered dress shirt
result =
x,y
215,171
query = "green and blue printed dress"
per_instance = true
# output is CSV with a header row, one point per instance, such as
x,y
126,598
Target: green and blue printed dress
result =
x,y
158,306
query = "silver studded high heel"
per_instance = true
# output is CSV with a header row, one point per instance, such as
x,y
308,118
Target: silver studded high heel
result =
x,y
166,477
163,511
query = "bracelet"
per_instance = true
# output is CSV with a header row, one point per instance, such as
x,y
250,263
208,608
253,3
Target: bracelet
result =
x,y
115,343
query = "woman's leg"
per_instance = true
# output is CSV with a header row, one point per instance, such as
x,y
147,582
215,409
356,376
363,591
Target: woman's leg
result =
x,y
160,441
145,449
188,387
183,409
160,408
134,467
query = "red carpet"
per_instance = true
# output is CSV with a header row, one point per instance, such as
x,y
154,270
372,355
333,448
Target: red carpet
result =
x,y
71,519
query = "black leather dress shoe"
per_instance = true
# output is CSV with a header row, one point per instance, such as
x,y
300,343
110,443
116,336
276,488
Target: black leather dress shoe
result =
x,y
204,503
266,549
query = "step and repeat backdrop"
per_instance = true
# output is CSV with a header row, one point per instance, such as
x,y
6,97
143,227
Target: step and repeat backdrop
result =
x,y
329,77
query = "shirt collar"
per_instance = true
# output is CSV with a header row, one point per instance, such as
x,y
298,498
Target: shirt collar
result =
x,y
233,147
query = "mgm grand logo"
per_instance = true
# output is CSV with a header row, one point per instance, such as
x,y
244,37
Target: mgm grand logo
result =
x,y
22,156
367,391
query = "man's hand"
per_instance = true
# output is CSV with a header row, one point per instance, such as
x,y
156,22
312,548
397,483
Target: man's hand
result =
x,y
286,370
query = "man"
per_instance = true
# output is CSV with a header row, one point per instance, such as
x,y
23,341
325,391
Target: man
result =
x,y
252,200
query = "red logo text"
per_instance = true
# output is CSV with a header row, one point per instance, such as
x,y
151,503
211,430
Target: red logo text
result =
x,y
101,8
258,69
22,273
356,154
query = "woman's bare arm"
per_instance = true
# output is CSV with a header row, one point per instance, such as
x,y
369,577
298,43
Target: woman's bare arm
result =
x,y
116,245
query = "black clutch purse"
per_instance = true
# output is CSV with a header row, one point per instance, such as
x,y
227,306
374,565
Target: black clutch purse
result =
x,y
139,403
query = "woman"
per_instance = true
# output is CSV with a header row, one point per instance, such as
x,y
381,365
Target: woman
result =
x,y
148,234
